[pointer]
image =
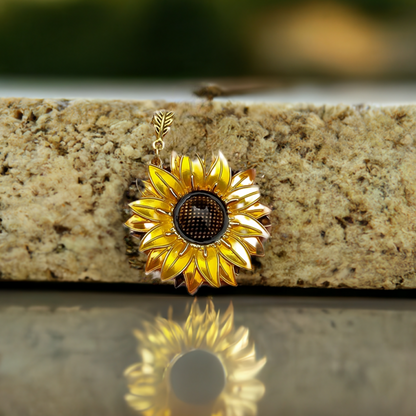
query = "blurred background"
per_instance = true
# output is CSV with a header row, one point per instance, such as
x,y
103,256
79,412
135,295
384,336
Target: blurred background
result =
x,y
278,42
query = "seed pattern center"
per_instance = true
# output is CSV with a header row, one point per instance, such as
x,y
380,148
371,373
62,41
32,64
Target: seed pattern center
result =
x,y
201,218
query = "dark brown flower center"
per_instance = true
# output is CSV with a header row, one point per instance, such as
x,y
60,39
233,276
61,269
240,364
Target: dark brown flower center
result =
x,y
201,217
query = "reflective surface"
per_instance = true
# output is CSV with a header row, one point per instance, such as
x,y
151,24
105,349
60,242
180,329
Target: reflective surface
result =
x,y
65,353
203,365
197,377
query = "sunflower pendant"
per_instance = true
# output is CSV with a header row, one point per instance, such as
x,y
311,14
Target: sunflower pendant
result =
x,y
201,223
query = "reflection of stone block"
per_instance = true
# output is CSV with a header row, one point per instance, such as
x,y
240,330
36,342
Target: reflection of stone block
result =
x,y
341,181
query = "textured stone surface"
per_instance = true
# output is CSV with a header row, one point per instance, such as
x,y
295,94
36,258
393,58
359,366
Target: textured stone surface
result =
x,y
341,182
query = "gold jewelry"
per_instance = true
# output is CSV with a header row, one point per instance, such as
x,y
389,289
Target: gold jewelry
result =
x,y
202,223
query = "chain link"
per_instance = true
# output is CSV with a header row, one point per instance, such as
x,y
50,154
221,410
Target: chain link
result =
x,y
158,145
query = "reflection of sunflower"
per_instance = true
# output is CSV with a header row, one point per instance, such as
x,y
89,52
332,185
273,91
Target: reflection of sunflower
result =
x,y
169,350
202,224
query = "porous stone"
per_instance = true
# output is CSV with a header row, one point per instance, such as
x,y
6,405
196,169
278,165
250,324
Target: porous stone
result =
x,y
341,181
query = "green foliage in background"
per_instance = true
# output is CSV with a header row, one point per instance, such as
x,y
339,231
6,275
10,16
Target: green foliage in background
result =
x,y
124,38
151,38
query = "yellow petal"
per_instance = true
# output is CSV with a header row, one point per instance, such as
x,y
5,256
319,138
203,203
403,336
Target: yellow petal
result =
x,y
138,403
153,209
247,227
192,173
208,265
166,185
240,342
233,250
254,245
136,370
242,198
245,356
227,272
155,259
149,191
140,224
257,210
245,178
219,176
133,370
193,277
249,371
175,161
158,237
143,389
249,390
176,260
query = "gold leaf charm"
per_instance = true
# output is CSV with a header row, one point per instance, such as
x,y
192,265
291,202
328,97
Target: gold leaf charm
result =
x,y
162,121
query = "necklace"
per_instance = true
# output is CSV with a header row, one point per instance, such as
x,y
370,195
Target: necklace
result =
x,y
198,223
